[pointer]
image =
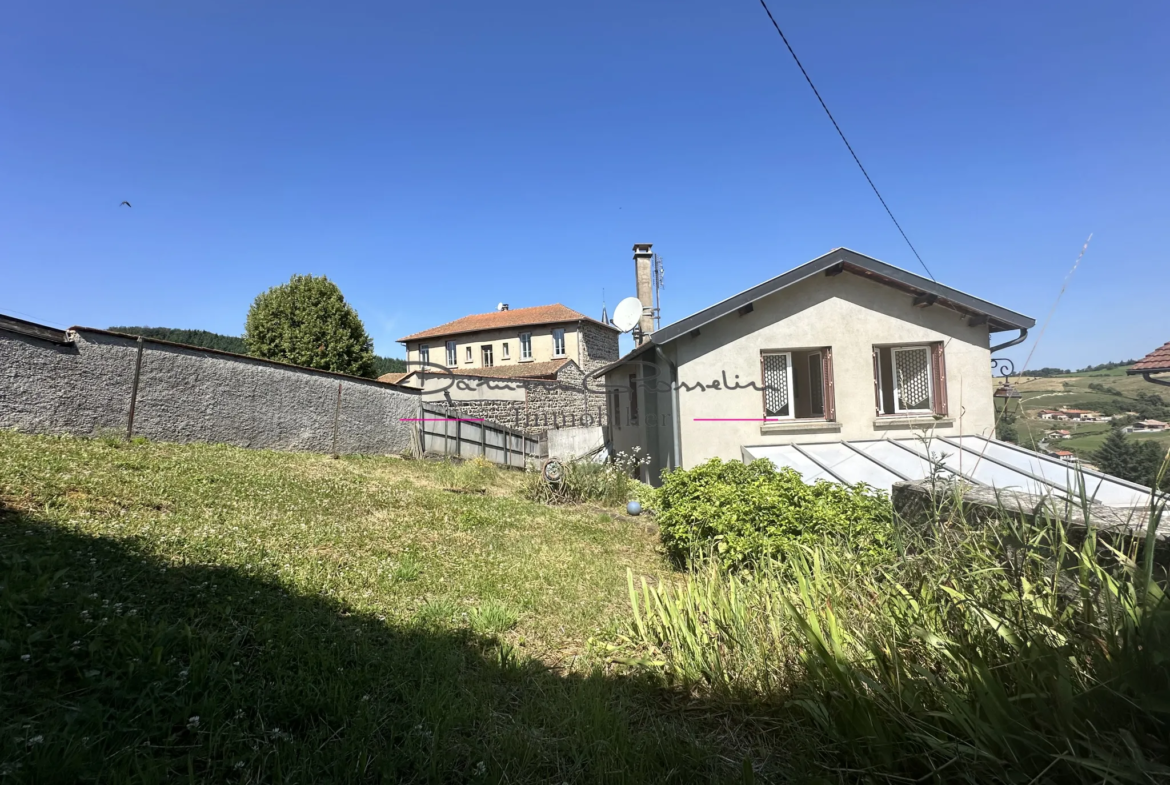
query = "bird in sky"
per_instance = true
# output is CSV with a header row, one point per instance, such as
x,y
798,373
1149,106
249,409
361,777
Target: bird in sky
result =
x,y
125,203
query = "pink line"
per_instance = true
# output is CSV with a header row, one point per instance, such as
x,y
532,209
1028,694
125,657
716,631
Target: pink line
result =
x,y
736,419
440,419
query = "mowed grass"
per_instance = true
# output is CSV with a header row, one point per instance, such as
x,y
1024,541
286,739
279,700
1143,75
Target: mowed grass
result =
x,y
211,614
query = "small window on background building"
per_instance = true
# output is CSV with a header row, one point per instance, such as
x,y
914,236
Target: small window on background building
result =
x,y
910,380
424,354
505,351
525,346
615,413
487,356
559,342
467,355
452,356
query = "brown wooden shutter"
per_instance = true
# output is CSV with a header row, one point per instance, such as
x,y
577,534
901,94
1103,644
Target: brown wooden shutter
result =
x,y
830,400
877,386
938,369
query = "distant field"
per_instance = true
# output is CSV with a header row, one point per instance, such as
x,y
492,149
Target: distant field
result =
x,y
1056,391
1084,445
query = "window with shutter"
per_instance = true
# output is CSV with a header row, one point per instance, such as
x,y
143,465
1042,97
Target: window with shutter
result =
x,y
910,379
797,384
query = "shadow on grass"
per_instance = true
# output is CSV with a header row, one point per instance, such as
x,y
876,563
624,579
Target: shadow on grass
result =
x,y
118,667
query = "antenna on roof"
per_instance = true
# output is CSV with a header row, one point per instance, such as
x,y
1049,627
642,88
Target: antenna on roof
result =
x,y
659,273
604,312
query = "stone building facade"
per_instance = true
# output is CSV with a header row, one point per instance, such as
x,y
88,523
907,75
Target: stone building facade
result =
x,y
539,357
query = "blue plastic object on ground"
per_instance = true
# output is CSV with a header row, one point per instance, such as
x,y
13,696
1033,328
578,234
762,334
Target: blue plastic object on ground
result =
x,y
634,508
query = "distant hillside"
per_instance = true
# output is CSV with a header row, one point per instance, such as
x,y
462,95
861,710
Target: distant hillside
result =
x,y
231,343
208,340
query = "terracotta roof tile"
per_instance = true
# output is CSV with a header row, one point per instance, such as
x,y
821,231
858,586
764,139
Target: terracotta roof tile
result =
x,y
1157,360
394,378
518,317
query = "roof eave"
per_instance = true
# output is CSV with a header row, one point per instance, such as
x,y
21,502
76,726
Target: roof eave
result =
x,y
426,334
999,319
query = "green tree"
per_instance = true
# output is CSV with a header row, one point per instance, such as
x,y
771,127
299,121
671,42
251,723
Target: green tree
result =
x,y
308,322
1005,429
1119,456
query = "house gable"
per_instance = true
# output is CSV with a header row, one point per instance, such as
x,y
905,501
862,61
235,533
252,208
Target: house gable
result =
x,y
720,377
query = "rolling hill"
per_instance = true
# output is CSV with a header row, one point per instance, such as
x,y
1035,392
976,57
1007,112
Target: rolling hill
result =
x,y
231,343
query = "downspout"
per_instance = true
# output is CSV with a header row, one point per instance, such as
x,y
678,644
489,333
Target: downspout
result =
x,y
1023,336
676,426
1149,377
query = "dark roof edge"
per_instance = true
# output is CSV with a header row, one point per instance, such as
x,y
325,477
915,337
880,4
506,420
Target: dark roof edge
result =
x,y
249,358
33,330
627,357
1006,319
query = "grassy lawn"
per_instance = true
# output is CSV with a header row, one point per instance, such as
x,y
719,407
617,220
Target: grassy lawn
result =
x,y
211,614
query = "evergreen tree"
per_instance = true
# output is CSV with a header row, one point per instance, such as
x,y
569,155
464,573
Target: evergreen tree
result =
x,y
308,322
1005,429
1119,456
1149,457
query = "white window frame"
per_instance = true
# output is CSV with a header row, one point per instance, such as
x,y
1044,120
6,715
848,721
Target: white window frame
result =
x,y
469,354
558,333
894,370
525,346
487,356
505,350
424,354
791,389
452,354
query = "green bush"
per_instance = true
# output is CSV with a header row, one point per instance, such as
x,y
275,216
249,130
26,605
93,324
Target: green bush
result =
x,y
745,512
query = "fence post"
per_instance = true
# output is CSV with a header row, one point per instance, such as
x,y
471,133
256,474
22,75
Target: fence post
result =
x,y
458,438
134,391
422,429
336,417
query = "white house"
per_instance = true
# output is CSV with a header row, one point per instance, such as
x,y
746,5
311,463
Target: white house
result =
x,y
843,349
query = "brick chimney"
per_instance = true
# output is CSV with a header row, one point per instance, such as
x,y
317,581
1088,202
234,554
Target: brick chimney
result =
x,y
642,257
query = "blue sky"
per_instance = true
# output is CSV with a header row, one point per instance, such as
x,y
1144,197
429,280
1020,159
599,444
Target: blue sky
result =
x,y
435,159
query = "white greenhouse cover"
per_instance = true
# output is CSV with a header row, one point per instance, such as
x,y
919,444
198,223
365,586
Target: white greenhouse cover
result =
x,y
979,460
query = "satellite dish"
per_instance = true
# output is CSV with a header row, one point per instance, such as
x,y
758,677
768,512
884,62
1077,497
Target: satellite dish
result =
x,y
627,314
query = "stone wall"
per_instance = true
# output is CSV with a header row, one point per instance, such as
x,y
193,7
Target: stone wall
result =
x,y
599,347
562,402
186,394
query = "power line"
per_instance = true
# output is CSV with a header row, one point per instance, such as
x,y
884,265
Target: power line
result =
x,y
843,139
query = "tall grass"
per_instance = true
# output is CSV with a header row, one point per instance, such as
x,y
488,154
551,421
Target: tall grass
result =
x,y
1009,652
